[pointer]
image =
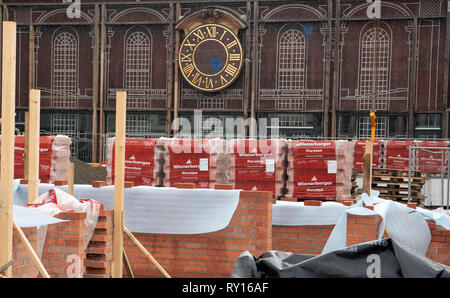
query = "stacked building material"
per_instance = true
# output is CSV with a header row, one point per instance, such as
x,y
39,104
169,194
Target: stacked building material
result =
x,y
319,169
431,162
258,165
60,158
140,157
54,154
202,162
359,150
396,154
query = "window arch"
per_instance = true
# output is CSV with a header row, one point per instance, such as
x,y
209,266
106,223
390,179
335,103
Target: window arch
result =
x,y
65,70
374,68
137,55
291,60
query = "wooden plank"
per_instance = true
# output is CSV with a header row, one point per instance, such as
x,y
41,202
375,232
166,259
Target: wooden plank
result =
x,y
367,169
146,253
247,74
34,257
33,146
119,180
26,142
445,119
70,181
126,262
7,145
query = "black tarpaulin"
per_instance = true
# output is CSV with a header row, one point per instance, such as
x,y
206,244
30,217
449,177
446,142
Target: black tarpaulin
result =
x,y
381,258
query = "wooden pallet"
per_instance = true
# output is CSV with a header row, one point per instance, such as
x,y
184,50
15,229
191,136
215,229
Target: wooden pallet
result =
x,y
393,184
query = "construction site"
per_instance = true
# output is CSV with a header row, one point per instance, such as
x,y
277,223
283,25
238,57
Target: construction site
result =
x,y
225,139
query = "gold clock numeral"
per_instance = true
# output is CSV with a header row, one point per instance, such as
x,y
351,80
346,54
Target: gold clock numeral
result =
x,y
197,80
212,31
223,34
199,35
235,57
209,83
231,44
230,69
223,81
186,57
190,45
188,69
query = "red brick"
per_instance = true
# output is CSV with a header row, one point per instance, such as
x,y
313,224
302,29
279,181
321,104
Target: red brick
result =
x,y
312,203
98,183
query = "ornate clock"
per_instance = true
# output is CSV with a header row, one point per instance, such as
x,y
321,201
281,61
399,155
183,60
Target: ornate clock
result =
x,y
210,57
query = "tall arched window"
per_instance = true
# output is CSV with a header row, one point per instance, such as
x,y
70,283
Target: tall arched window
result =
x,y
374,69
291,60
137,67
65,66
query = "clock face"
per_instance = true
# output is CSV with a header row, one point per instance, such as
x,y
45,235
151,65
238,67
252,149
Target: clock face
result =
x,y
210,57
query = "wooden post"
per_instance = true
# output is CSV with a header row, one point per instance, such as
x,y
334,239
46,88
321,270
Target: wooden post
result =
x,y
26,142
70,181
367,169
7,146
34,258
33,145
119,180
145,251
127,264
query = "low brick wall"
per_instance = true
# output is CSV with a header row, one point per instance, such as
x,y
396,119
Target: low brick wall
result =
x,y
23,266
301,239
439,249
210,254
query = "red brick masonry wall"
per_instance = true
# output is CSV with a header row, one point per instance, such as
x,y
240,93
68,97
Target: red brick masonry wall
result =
x,y
210,254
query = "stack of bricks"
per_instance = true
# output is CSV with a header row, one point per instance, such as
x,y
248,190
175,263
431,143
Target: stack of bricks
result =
x,y
63,253
99,251
23,266
362,228
210,254
60,159
439,249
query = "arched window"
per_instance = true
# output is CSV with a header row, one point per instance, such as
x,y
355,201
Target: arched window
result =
x,y
137,62
65,66
374,69
291,60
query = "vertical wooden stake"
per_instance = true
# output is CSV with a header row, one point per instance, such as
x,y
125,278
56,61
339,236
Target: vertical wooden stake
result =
x,y
33,145
26,142
367,170
70,181
119,180
7,146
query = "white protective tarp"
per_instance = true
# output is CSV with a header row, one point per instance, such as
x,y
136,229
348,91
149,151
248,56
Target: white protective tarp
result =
x,y
405,225
285,213
161,210
27,217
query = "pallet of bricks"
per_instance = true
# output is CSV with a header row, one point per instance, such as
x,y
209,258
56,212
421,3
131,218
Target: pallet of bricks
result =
x,y
54,158
257,165
319,170
202,162
393,184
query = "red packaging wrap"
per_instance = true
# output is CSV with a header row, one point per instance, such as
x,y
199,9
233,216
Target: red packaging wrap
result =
x,y
319,169
396,154
359,150
431,162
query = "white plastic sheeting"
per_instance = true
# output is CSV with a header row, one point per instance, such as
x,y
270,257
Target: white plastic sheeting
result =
x,y
285,213
161,210
405,225
26,217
